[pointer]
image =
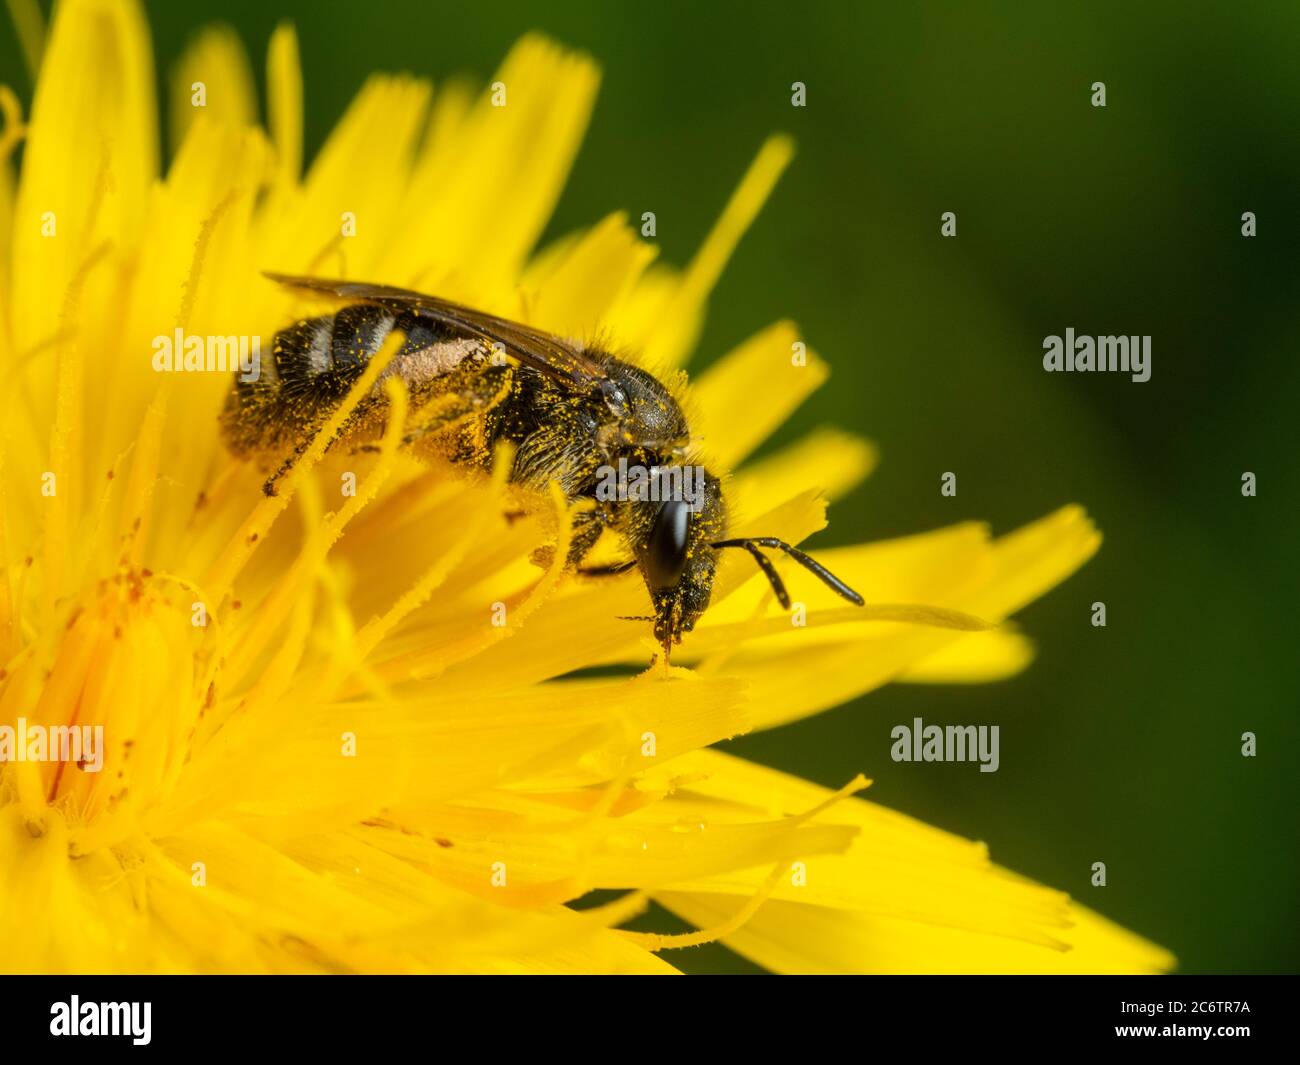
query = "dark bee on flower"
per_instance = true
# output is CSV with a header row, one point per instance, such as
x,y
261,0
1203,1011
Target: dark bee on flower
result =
x,y
572,414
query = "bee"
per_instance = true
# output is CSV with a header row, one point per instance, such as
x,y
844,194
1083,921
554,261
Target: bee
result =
x,y
572,412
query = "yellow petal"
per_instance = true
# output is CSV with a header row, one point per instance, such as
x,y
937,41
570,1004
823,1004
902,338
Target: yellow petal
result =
x,y
788,937
90,156
747,394
808,668
830,460
445,742
975,659
904,897
342,226
555,858
215,70
284,103
678,326
481,193
583,287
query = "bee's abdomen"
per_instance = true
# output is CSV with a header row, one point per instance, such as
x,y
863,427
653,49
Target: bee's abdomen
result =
x,y
315,362
338,346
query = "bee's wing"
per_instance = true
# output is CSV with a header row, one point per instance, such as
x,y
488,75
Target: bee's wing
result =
x,y
533,347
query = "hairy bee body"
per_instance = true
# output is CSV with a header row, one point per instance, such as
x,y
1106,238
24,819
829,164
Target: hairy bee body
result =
x,y
475,381
463,401
316,362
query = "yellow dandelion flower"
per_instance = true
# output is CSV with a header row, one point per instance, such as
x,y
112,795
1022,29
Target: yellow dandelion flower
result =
x,y
318,750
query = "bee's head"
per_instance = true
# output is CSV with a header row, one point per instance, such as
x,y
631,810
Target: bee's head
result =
x,y
676,545
675,557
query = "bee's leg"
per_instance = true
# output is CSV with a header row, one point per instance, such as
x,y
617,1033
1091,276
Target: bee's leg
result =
x,y
587,526
604,517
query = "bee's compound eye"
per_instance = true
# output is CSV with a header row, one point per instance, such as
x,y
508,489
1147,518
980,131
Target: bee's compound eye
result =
x,y
665,556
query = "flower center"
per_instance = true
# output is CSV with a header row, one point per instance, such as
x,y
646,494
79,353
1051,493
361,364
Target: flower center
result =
x,y
95,722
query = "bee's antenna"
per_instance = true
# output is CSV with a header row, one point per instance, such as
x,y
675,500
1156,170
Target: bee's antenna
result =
x,y
765,564
752,545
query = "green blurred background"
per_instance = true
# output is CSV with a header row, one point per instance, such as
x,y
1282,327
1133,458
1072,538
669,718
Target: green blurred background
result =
x,y
1119,744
